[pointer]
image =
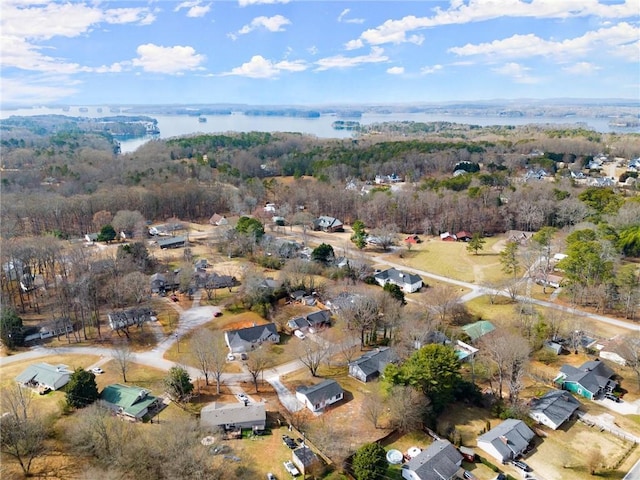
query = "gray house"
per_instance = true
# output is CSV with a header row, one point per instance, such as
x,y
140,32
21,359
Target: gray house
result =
x,y
507,441
317,397
553,408
408,282
328,224
232,416
441,461
370,365
172,242
247,339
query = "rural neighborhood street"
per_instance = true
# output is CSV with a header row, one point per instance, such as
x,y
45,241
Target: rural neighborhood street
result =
x,y
196,316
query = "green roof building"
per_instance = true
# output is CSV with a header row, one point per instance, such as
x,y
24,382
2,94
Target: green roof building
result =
x,y
45,375
478,329
130,401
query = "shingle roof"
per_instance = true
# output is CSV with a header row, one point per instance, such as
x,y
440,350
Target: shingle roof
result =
x,y
251,334
132,400
305,456
373,361
557,405
319,317
398,276
510,438
217,413
322,391
592,375
439,461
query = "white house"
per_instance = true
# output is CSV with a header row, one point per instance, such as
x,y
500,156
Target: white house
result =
x,y
39,375
408,282
317,397
507,441
553,408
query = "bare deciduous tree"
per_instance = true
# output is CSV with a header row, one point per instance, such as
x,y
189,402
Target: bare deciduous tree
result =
x,y
123,355
258,361
407,407
373,408
22,431
509,353
202,350
312,352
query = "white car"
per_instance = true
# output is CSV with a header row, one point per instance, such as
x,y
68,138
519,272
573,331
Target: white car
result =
x,y
291,468
230,357
299,334
242,397
97,371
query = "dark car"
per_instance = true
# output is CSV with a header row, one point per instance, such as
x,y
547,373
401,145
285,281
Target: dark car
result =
x,y
468,475
289,442
521,465
612,397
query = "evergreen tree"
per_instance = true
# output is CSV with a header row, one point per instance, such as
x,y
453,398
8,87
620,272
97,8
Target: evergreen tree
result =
x,y
323,253
107,234
178,383
476,243
81,389
11,328
370,462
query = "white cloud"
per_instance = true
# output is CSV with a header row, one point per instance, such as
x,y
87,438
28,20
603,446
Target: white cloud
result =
x,y
260,67
619,40
467,11
354,44
395,70
344,13
430,70
340,61
245,3
272,24
194,8
46,21
517,72
582,68
170,60
36,91
313,50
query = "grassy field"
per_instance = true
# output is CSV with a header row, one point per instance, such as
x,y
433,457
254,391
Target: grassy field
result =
x,y
451,259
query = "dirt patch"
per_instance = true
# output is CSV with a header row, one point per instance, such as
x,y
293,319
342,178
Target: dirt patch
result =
x,y
245,320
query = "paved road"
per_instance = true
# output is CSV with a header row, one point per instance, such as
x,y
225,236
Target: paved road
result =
x,y
196,316
477,291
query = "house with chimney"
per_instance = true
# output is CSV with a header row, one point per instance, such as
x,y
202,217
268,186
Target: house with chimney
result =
x,y
441,461
249,338
507,441
234,416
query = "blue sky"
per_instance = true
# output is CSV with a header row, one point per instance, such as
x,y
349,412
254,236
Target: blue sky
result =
x,y
272,52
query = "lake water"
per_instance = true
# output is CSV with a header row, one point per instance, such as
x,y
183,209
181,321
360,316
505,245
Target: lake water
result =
x,y
178,125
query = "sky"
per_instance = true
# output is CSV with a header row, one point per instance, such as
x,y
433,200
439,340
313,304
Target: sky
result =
x,y
307,52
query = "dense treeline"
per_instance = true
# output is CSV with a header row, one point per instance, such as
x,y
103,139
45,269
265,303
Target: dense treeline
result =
x,y
57,181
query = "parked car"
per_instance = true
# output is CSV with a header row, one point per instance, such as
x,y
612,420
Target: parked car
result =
x,y
299,334
521,465
243,356
230,357
289,442
612,397
468,475
97,371
271,476
243,398
291,468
